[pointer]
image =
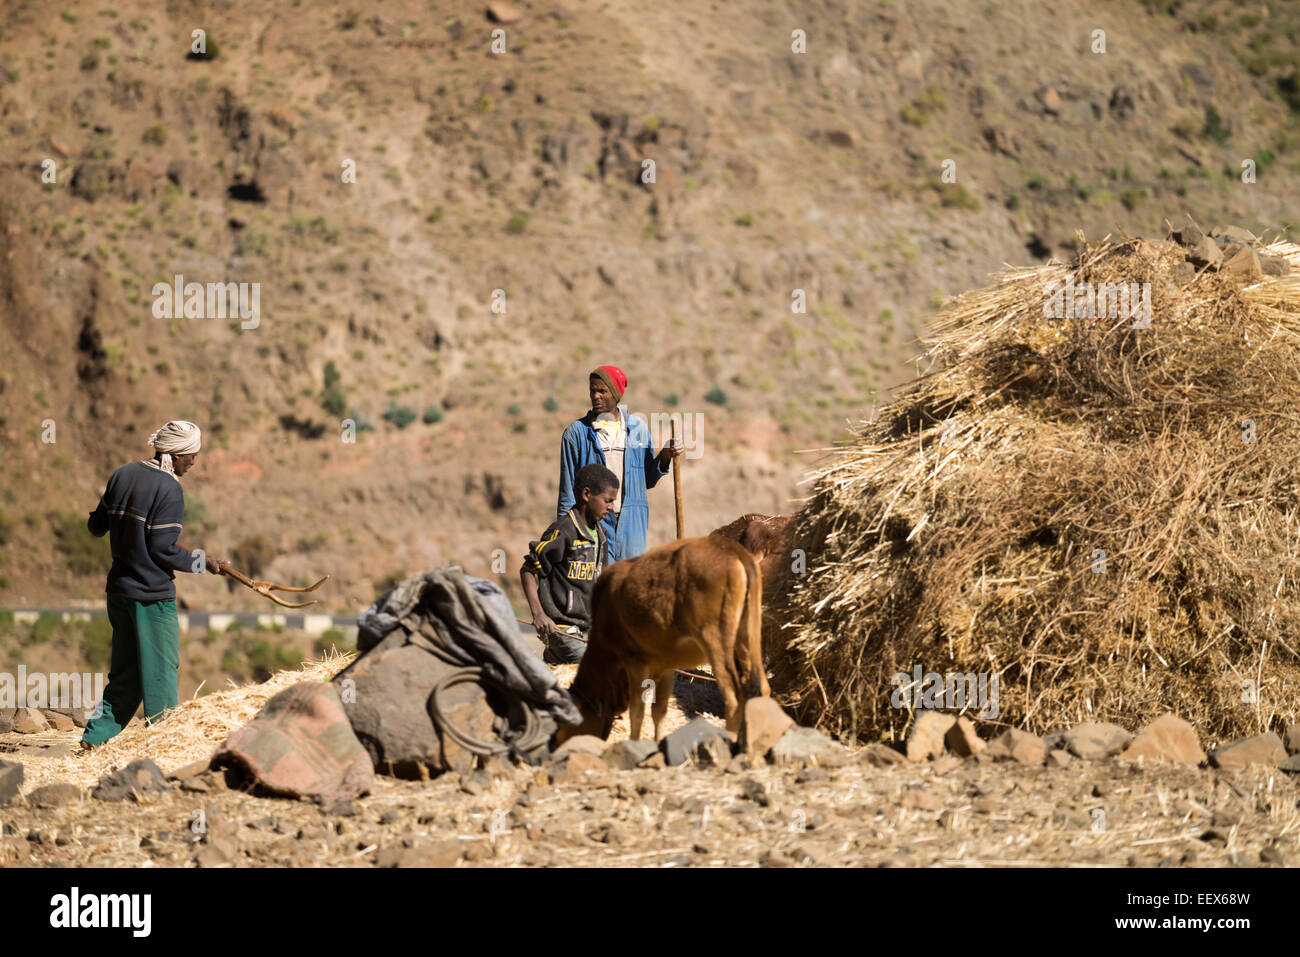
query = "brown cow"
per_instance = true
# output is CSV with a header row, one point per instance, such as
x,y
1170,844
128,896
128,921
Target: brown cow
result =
x,y
763,536
691,602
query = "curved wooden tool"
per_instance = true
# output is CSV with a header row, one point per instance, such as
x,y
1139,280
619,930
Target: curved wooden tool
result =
x,y
266,588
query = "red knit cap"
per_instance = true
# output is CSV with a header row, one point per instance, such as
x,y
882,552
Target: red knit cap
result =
x,y
614,378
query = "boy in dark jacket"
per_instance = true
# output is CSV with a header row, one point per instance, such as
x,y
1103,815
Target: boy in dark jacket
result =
x,y
561,568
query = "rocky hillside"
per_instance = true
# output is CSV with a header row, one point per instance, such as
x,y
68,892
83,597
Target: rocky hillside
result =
x,y
499,237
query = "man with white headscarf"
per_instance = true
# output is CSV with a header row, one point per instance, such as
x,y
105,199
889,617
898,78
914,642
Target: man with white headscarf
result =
x,y
141,511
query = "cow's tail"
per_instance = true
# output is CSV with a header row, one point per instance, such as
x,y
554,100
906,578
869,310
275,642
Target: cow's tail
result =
x,y
751,624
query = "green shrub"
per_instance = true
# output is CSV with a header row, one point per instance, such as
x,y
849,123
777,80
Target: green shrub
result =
x,y
550,405
42,629
155,135
333,400
518,222
1214,128
84,553
432,415
333,638
253,555
97,642
716,396
6,622
400,415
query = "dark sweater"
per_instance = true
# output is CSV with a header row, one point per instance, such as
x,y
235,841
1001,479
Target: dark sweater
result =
x,y
567,561
141,511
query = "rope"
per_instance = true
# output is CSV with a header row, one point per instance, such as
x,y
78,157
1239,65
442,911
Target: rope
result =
x,y
532,736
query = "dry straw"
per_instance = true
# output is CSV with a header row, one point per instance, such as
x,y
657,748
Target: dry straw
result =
x,y
1072,504
190,733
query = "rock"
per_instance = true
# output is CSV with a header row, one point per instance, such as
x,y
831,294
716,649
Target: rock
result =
x,y
1056,758
678,746
1050,99
1235,234
1205,254
625,755
29,721
389,709
1291,766
1094,740
1016,745
712,751
59,721
1242,261
499,12
1271,855
217,852
881,756
1274,265
1054,741
193,769
1261,749
962,739
1168,739
842,138
655,762
927,737
921,800
11,777
574,767
438,854
1291,740
1000,141
6,720
1182,273
1189,235
344,808
741,763
54,795
941,766
810,776
808,746
130,782
756,791
764,723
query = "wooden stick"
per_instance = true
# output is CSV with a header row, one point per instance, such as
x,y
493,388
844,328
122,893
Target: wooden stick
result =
x,y
677,486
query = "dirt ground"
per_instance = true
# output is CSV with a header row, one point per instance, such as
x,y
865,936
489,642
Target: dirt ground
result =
x,y
947,813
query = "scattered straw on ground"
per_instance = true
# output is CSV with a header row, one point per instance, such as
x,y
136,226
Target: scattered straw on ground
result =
x,y
191,732
198,726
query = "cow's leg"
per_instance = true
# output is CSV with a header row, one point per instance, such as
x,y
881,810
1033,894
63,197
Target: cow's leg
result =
x,y
663,688
635,703
723,663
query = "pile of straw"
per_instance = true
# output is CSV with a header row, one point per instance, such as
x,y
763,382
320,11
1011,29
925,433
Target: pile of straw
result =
x,y
191,732
1070,504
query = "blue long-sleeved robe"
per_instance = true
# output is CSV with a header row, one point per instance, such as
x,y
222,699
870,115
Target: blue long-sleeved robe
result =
x,y
641,471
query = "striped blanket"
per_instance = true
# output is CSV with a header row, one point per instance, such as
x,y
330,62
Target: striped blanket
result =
x,y
301,745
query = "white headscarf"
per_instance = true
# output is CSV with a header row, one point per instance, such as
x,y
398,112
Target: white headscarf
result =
x,y
177,437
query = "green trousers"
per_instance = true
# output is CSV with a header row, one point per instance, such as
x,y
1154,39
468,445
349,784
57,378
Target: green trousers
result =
x,y
145,663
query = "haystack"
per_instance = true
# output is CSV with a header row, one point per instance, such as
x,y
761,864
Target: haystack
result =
x,y
1106,518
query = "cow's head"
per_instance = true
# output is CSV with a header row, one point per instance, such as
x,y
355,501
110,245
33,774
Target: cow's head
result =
x,y
600,691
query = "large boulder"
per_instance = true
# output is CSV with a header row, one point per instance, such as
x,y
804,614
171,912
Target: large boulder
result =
x,y
386,694
1168,739
1263,749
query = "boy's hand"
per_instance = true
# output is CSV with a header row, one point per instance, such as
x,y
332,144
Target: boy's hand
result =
x,y
544,625
213,564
